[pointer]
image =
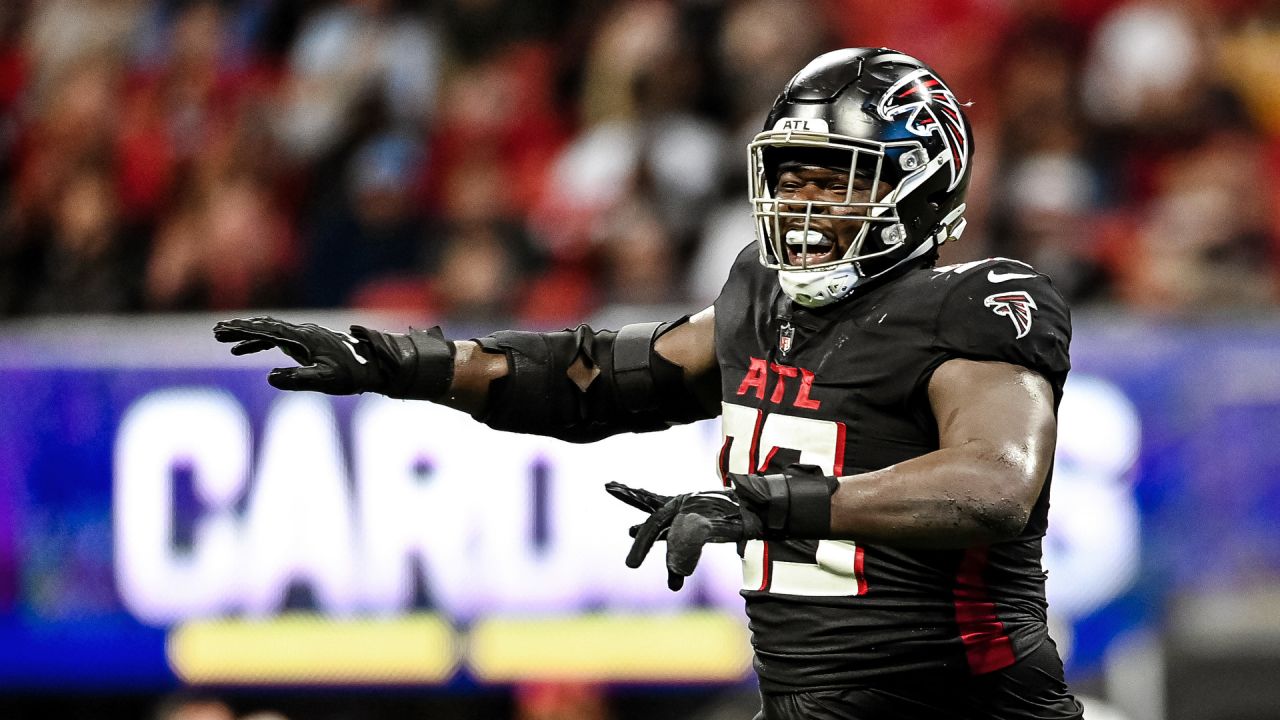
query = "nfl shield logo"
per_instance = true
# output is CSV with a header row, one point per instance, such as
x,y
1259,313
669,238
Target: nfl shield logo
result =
x,y
786,335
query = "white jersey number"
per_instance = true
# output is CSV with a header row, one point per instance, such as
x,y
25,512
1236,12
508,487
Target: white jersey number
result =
x,y
751,439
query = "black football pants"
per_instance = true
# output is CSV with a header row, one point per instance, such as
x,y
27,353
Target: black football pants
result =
x,y
1031,689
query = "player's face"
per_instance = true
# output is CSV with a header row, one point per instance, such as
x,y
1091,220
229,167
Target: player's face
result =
x,y
831,231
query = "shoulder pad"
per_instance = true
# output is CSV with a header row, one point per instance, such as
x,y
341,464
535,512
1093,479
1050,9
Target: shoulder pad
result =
x,y
1001,309
999,267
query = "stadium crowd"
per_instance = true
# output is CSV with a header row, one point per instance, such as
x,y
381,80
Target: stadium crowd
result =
x,y
532,161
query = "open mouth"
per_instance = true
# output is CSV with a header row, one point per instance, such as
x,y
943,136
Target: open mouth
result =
x,y
809,247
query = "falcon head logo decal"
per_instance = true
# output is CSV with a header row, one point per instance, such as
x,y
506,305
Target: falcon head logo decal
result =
x,y
933,111
1016,306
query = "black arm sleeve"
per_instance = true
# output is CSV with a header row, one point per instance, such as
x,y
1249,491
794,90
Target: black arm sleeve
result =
x,y
635,390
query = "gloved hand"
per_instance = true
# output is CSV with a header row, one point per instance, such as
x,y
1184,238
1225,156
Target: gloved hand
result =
x,y
687,522
331,362
637,498
417,365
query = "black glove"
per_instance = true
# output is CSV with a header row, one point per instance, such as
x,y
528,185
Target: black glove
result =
x,y
637,498
686,522
332,362
417,365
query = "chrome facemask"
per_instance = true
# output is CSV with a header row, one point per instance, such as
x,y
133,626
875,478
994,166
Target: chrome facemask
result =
x,y
821,283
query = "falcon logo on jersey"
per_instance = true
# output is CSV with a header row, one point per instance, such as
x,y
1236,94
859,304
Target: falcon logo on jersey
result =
x,y
933,111
1016,306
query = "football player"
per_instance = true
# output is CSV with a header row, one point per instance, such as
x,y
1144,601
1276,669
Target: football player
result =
x,y
889,425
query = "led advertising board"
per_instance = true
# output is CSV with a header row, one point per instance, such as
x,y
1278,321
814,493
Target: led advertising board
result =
x,y
178,520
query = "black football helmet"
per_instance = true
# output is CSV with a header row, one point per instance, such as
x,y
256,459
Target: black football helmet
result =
x,y
878,114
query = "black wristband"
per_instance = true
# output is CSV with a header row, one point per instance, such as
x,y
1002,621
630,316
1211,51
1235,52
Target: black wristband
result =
x,y
794,504
809,515
417,365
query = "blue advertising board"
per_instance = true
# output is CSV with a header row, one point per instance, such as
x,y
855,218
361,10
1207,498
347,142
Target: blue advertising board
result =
x,y
167,517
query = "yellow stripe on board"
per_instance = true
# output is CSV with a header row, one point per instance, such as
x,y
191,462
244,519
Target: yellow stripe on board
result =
x,y
304,648
701,646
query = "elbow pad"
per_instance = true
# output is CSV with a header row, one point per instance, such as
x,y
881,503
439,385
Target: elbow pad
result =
x,y
625,386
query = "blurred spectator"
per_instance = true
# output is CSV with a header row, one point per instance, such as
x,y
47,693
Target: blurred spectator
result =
x,y
483,28
13,79
1046,193
630,190
86,267
956,37
1204,241
1151,87
478,274
72,125
50,243
62,33
500,114
1147,66
1049,202
225,247
1248,57
762,45
178,107
639,253
347,53
531,160
369,225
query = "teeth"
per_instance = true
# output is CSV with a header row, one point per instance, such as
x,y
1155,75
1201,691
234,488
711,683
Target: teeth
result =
x,y
817,242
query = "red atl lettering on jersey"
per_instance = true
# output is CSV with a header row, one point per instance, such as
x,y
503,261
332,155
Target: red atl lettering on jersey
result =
x,y
757,378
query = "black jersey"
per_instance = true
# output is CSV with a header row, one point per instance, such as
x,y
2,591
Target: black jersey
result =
x,y
845,388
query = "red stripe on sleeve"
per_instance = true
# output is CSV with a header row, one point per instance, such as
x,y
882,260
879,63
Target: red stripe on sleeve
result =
x,y
837,467
857,569
986,645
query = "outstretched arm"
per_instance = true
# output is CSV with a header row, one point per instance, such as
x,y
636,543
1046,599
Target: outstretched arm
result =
x,y
474,370
578,385
582,385
689,346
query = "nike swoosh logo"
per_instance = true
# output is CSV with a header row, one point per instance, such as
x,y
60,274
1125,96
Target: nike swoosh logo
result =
x,y
350,344
996,277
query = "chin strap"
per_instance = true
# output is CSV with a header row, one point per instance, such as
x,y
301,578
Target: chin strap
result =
x,y
953,225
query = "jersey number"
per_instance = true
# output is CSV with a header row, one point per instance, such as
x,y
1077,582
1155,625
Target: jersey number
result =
x,y
755,442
